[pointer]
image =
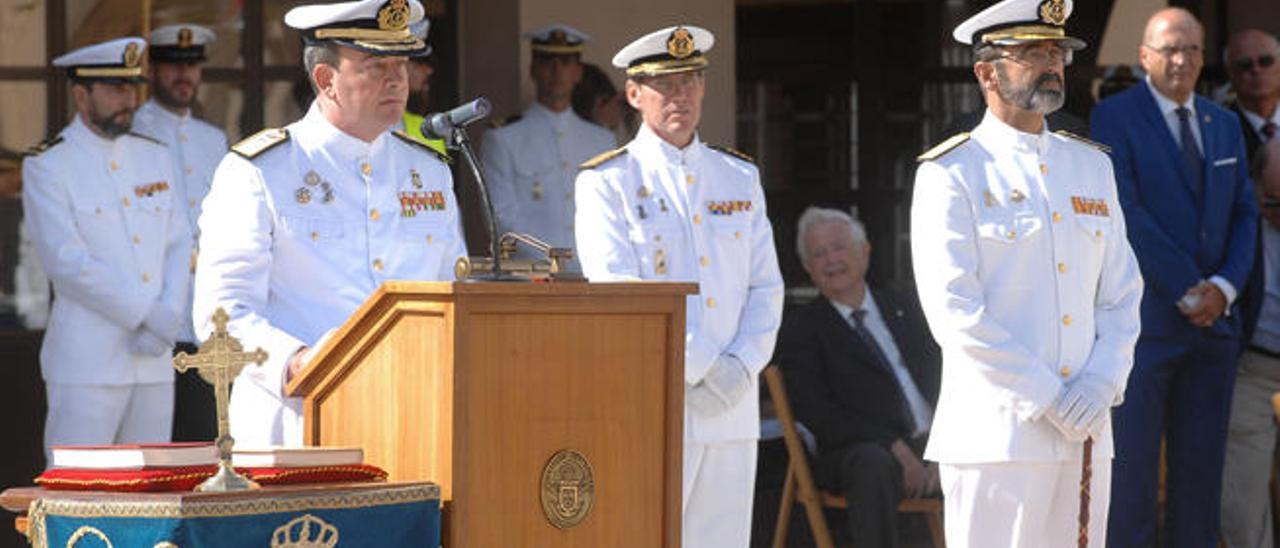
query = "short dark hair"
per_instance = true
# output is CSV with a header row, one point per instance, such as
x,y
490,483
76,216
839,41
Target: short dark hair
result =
x,y
594,86
313,55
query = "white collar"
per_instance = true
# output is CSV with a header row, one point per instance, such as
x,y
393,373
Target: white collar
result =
x,y
81,132
1256,120
333,140
868,304
648,143
1001,136
166,114
1167,105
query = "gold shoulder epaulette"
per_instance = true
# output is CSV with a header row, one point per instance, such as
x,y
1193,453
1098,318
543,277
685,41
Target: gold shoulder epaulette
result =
x,y
443,156
602,158
260,142
43,146
496,123
145,137
941,149
1090,142
735,153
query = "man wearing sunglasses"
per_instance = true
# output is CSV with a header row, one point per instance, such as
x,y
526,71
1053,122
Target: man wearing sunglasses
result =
x,y
1255,76
1182,175
1251,443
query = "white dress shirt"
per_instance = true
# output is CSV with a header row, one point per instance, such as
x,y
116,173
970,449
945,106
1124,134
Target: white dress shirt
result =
x,y
531,164
1027,280
697,215
296,238
196,147
1256,121
921,412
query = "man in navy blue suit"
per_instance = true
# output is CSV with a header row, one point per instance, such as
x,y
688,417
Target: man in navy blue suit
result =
x,y
1182,175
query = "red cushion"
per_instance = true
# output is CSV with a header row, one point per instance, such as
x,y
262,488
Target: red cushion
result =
x,y
154,480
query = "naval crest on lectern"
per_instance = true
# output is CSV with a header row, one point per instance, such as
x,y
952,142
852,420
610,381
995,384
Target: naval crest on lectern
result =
x,y
568,489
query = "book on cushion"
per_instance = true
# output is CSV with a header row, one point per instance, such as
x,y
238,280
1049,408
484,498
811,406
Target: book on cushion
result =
x,y
134,456
296,456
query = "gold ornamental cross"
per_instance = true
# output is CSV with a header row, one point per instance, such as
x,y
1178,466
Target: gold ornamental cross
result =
x,y
219,361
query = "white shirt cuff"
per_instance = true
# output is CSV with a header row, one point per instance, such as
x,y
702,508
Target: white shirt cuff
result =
x,y
1228,291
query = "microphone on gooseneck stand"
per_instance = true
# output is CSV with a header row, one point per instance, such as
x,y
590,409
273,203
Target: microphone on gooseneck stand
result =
x,y
451,127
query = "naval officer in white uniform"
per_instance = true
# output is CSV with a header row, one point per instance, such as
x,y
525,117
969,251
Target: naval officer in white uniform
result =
x,y
1032,291
195,146
112,235
667,206
304,222
532,160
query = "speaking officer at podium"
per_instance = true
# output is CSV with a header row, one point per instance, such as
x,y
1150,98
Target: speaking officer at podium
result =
x,y
113,238
306,221
1032,292
669,207
531,162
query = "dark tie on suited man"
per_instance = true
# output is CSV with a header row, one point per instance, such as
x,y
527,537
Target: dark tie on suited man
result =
x,y
862,375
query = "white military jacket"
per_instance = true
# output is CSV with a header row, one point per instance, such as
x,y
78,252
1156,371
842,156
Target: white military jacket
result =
x,y
651,211
196,147
530,165
301,225
1027,280
112,237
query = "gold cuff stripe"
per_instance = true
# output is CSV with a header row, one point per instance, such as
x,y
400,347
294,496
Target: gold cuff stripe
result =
x,y
108,72
1027,32
667,67
363,34
549,48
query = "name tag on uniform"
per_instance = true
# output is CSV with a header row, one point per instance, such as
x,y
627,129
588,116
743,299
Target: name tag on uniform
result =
x,y
1225,162
150,189
728,207
1090,206
412,202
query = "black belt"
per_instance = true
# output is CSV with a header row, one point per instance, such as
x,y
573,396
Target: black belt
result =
x,y
1265,352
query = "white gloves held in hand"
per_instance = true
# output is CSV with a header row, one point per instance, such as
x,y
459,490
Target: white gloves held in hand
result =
x,y
1081,410
722,388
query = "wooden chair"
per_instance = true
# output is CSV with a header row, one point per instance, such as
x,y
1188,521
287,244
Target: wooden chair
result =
x,y
800,486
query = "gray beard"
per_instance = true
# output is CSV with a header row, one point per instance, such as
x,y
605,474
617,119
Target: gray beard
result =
x,y
1031,98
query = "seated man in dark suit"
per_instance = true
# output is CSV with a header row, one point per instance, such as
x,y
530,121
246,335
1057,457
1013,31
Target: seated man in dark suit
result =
x,y
862,374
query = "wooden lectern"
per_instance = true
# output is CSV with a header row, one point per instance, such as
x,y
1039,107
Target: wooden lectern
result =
x,y
489,389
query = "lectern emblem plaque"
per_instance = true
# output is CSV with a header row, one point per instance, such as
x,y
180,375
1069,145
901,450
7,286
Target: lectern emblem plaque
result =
x,y
568,489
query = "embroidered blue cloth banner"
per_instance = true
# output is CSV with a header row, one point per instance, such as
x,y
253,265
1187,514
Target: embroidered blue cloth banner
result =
x,y
382,516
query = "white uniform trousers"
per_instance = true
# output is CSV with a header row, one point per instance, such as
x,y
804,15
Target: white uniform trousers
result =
x,y
1251,454
719,487
94,414
1023,504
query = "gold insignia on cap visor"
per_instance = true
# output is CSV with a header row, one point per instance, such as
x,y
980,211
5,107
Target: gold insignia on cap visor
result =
x,y
132,55
184,38
680,44
394,15
558,38
1053,12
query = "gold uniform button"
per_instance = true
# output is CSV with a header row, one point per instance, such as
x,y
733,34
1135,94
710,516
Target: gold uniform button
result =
x,y
366,168
689,179
182,137
191,204
1065,371
657,237
1011,234
429,239
1066,320
1044,169
146,277
125,201
377,265
1097,234
137,239
374,215
315,235
114,165
1062,268
187,170
737,234
697,219
704,261
711,302
1057,217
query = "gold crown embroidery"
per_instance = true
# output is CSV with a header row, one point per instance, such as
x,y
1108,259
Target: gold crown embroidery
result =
x,y
306,531
131,55
394,15
680,44
1053,12
184,38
